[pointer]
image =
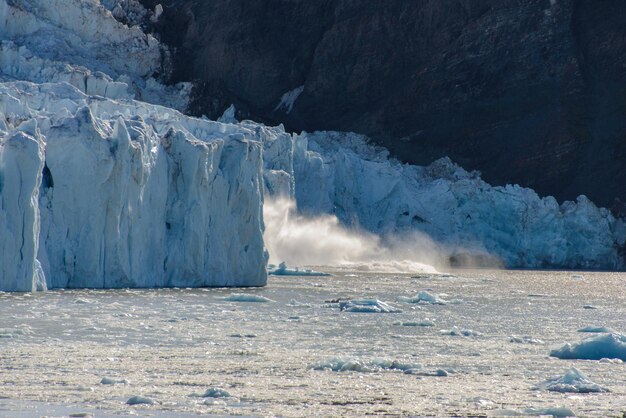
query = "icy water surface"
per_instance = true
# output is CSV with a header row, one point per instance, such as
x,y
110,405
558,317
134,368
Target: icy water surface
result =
x,y
482,353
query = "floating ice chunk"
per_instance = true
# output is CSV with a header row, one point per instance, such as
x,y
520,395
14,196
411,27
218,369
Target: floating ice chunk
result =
x,y
456,332
283,270
556,412
595,329
364,366
611,360
595,348
424,323
214,402
111,381
423,296
387,364
590,307
573,381
138,400
295,303
342,365
244,297
524,340
15,332
213,393
367,306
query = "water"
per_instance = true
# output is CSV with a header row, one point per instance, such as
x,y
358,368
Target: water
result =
x,y
168,344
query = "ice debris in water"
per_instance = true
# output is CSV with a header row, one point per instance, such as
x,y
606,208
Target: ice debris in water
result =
x,y
611,360
283,270
524,340
367,306
555,412
111,381
423,296
245,297
213,393
573,381
295,303
364,366
138,400
424,323
456,332
595,348
596,329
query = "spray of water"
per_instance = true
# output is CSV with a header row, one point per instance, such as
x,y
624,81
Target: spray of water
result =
x,y
322,241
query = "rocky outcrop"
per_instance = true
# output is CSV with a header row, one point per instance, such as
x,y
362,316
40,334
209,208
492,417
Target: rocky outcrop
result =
x,y
530,92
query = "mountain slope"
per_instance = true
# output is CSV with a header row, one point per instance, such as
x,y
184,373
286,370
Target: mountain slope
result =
x,y
531,92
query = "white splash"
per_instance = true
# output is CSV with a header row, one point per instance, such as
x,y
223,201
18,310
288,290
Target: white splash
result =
x,y
323,240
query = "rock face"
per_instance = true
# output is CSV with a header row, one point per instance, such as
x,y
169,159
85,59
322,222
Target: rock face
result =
x,y
530,92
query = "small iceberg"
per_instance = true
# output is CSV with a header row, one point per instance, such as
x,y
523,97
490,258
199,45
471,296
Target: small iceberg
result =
x,y
574,381
423,296
456,332
111,381
212,393
283,270
139,400
524,340
366,306
424,323
612,346
245,297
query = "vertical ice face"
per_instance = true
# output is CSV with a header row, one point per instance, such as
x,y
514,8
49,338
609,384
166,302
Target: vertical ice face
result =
x,y
124,206
21,163
130,194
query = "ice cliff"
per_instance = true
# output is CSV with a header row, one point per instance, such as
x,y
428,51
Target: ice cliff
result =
x,y
99,188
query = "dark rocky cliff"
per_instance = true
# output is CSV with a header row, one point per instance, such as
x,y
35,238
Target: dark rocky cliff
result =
x,y
526,91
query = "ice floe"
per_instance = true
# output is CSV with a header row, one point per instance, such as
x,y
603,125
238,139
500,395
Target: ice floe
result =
x,y
213,392
365,366
245,297
366,306
611,346
573,381
283,270
425,297
458,332
139,400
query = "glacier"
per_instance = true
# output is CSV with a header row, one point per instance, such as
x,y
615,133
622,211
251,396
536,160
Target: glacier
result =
x,y
345,175
106,183
102,190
